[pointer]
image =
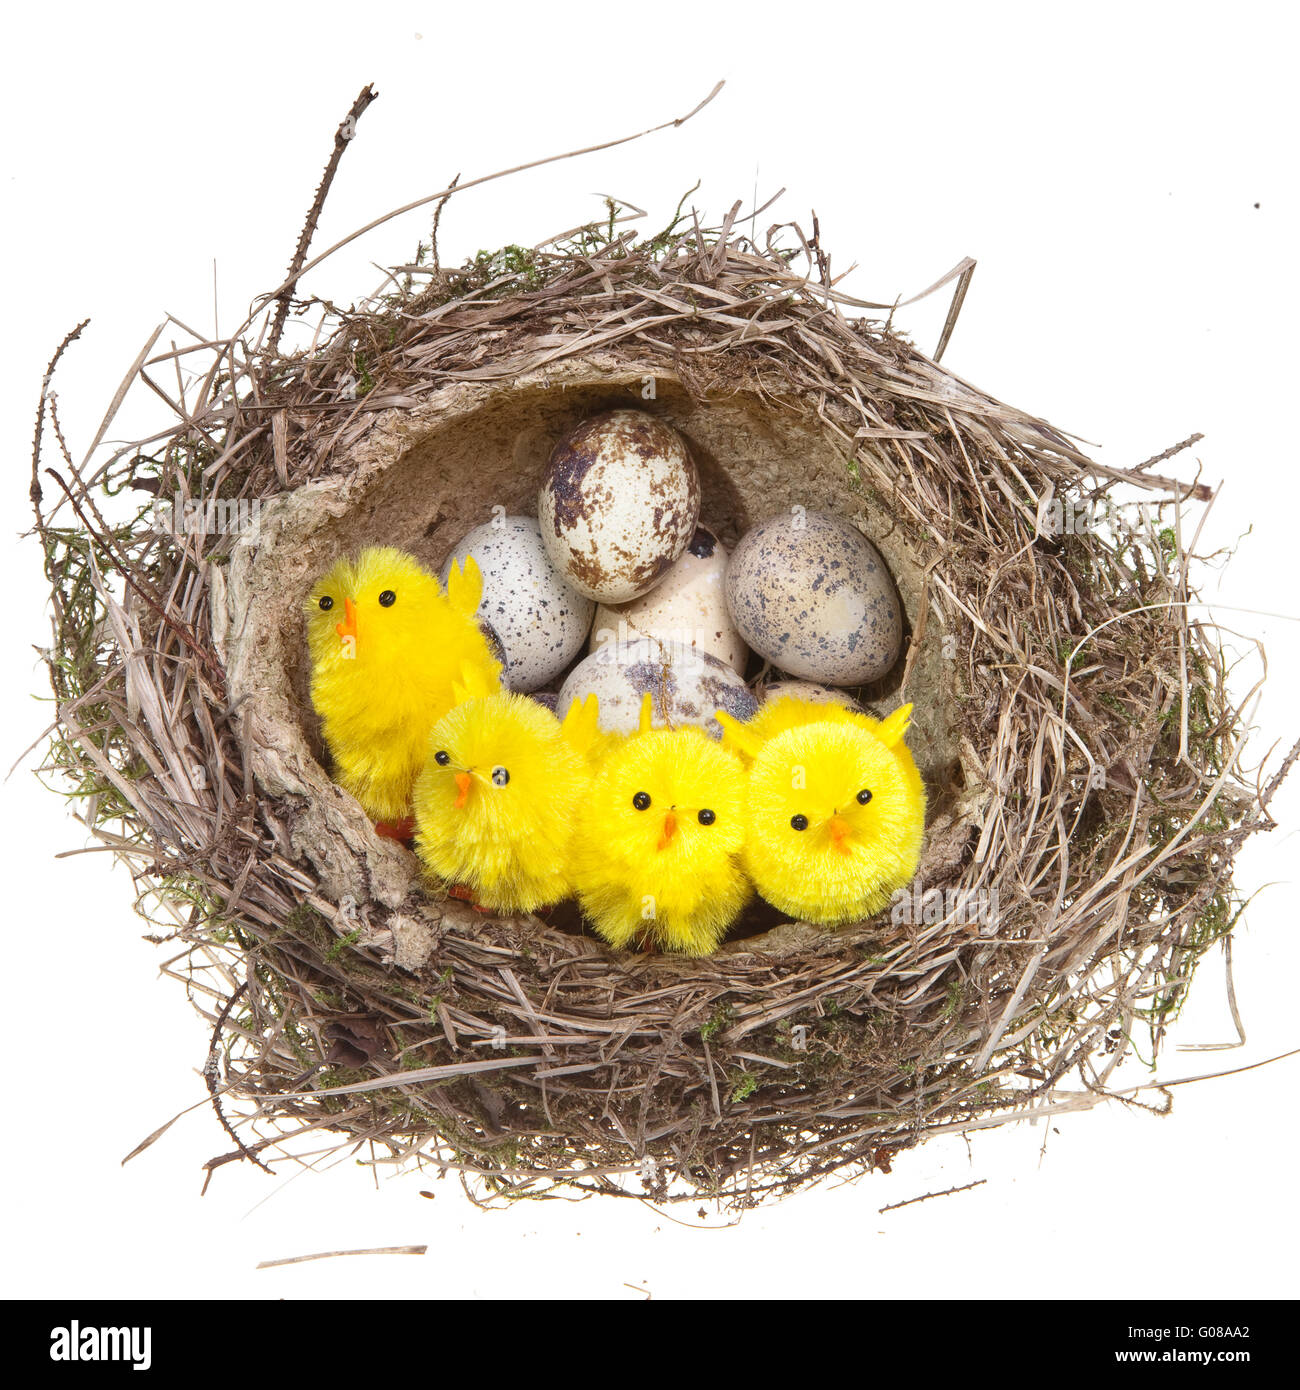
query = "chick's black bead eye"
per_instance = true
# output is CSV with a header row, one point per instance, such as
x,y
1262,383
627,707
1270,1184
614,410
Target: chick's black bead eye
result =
x,y
499,777
799,822
442,759
707,817
326,603
387,599
641,801
863,797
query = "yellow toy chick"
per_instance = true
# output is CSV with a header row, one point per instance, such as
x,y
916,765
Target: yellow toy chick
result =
x,y
656,857
835,808
496,802
386,646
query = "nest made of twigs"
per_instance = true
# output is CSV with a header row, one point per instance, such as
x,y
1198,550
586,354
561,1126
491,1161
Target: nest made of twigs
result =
x,y
1072,723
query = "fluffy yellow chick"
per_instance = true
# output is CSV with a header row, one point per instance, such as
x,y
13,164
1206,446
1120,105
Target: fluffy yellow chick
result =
x,y
496,801
656,856
835,808
386,646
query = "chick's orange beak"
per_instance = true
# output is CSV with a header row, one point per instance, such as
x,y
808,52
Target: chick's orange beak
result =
x,y
670,829
840,835
348,627
462,782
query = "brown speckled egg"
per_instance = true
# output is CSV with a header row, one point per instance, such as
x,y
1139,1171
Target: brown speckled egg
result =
x,y
811,594
619,504
689,605
539,622
687,686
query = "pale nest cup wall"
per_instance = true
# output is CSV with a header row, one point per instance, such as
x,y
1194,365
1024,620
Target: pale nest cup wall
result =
x,y
420,479
1078,743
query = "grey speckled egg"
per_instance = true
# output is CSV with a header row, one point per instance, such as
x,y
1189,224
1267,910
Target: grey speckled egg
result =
x,y
687,686
618,505
540,621
689,606
812,594
806,690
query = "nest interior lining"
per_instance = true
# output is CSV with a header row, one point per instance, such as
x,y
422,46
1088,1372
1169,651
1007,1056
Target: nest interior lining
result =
x,y
431,475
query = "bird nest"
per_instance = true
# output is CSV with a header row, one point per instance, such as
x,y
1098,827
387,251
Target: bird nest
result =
x,y
1080,750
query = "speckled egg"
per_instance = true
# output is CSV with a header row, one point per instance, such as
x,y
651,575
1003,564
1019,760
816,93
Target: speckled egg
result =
x,y
687,686
808,691
540,622
812,594
687,607
619,504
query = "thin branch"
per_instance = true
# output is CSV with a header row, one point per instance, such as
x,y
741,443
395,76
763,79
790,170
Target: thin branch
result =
x,y
947,1192
343,137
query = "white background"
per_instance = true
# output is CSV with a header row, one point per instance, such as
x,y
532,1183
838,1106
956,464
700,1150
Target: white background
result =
x,y
1125,177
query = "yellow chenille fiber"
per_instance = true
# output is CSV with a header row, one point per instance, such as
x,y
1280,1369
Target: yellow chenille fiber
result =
x,y
382,671
773,716
496,801
649,870
835,808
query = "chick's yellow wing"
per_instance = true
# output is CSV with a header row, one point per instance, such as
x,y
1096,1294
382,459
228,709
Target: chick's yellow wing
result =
x,y
465,586
582,732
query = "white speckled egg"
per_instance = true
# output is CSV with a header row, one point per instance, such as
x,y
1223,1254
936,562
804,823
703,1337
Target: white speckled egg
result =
x,y
688,607
618,505
540,621
806,690
687,686
812,594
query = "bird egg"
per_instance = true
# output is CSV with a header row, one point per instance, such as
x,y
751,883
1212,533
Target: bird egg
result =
x,y
689,605
686,685
619,503
540,621
811,594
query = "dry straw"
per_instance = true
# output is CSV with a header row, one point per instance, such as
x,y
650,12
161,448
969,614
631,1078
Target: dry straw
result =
x,y
1082,750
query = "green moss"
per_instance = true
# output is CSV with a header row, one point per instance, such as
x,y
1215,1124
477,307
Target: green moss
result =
x,y
952,1004
744,1088
516,261
444,979
1113,702
1212,923
721,1018
306,923
342,944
